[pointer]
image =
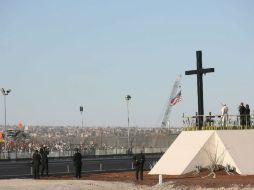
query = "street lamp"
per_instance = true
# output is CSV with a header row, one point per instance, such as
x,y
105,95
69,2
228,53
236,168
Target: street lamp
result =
x,y
81,112
5,93
128,98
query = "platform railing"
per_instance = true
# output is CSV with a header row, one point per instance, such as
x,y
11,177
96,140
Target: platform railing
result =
x,y
218,122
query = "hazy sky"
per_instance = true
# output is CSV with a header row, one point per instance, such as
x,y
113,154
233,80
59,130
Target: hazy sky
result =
x,y
58,55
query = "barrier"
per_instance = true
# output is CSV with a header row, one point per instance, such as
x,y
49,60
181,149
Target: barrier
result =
x,y
218,122
12,169
69,153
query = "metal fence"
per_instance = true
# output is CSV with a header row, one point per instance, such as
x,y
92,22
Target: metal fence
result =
x,y
218,122
62,142
12,169
14,155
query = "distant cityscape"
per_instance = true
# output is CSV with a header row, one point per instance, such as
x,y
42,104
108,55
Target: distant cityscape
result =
x,y
88,139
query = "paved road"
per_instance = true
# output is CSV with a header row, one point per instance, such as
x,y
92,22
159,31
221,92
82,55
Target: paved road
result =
x,y
9,169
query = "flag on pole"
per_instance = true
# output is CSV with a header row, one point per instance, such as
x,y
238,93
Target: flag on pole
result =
x,y
176,99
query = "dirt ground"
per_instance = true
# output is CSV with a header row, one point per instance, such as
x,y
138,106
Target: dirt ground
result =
x,y
190,180
127,181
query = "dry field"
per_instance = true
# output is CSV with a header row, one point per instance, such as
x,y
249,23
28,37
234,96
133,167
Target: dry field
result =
x,y
126,181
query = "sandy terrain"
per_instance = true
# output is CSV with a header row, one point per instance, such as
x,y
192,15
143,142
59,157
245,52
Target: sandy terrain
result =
x,y
29,184
126,181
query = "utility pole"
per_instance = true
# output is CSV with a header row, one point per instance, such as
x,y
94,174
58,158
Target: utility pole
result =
x,y
81,112
128,98
5,93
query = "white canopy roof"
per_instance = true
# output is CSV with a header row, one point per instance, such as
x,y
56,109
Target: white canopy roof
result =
x,y
198,148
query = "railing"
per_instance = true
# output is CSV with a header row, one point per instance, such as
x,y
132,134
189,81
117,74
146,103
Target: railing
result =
x,y
10,169
14,155
218,122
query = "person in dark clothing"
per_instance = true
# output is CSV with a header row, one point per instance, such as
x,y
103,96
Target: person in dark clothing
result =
x,y
197,119
36,164
136,165
247,113
209,119
77,160
44,160
139,161
242,111
142,162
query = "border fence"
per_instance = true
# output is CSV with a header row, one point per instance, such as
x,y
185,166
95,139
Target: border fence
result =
x,y
15,155
64,165
62,141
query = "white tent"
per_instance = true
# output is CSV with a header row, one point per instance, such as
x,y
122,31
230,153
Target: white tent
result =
x,y
197,148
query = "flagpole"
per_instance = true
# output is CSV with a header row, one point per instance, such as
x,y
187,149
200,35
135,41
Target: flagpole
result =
x,y
168,132
168,125
175,97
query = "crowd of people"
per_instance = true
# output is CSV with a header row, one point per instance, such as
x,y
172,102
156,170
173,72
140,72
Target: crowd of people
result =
x,y
28,146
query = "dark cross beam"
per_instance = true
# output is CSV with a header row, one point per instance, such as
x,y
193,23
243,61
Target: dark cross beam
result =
x,y
199,72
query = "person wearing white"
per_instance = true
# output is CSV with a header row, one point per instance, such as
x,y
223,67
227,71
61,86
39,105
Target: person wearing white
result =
x,y
224,114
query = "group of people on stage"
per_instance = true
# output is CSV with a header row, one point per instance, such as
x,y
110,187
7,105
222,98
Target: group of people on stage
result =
x,y
244,114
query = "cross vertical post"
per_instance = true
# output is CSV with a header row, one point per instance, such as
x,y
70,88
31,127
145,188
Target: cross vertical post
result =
x,y
200,89
199,72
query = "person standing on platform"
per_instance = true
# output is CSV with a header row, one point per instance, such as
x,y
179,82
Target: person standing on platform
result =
x,y
196,119
36,164
242,111
77,160
247,113
224,115
209,119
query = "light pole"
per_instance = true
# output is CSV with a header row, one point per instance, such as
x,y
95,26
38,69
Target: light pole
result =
x,y
5,93
128,98
81,112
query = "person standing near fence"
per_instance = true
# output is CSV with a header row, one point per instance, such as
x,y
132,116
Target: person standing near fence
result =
x,y
44,160
224,115
142,162
242,111
136,165
139,161
247,113
209,119
77,160
36,164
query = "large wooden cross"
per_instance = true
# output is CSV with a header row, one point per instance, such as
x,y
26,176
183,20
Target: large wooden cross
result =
x,y
199,72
